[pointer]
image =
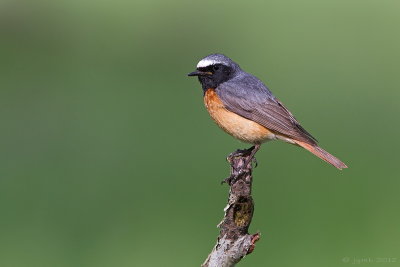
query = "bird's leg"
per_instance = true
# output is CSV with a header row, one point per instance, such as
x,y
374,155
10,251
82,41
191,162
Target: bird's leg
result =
x,y
251,158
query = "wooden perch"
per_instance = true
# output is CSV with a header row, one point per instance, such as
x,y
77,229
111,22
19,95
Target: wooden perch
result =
x,y
234,242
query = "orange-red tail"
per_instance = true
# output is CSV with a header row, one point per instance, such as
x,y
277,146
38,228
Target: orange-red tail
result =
x,y
322,154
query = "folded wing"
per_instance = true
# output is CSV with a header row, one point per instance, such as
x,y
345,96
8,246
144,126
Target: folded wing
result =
x,y
251,99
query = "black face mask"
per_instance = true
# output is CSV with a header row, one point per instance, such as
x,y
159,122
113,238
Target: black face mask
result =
x,y
219,73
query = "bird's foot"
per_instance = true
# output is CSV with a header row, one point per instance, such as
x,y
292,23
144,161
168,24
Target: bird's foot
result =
x,y
252,159
239,153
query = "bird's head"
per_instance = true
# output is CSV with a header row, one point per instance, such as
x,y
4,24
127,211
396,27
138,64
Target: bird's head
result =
x,y
214,70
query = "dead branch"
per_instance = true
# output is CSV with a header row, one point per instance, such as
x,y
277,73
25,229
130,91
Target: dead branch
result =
x,y
234,242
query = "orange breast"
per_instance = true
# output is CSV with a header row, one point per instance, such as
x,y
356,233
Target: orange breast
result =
x,y
243,129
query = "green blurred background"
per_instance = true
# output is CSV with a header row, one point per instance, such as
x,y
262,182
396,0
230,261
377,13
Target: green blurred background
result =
x,y
108,157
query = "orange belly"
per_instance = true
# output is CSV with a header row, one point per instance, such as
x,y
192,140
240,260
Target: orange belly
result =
x,y
239,127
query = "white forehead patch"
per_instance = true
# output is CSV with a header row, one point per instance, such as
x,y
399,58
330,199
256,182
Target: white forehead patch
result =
x,y
206,62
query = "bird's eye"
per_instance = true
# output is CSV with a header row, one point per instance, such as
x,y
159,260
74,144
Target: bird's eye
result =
x,y
215,67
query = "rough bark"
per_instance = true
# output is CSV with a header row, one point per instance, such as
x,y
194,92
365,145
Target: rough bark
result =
x,y
234,242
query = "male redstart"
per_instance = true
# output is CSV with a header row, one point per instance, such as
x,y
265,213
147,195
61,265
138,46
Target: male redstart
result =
x,y
246,109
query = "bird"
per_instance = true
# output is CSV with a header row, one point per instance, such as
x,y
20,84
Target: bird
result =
x,y
244,107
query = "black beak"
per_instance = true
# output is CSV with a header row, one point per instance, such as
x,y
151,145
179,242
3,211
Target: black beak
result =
x,y
199,73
